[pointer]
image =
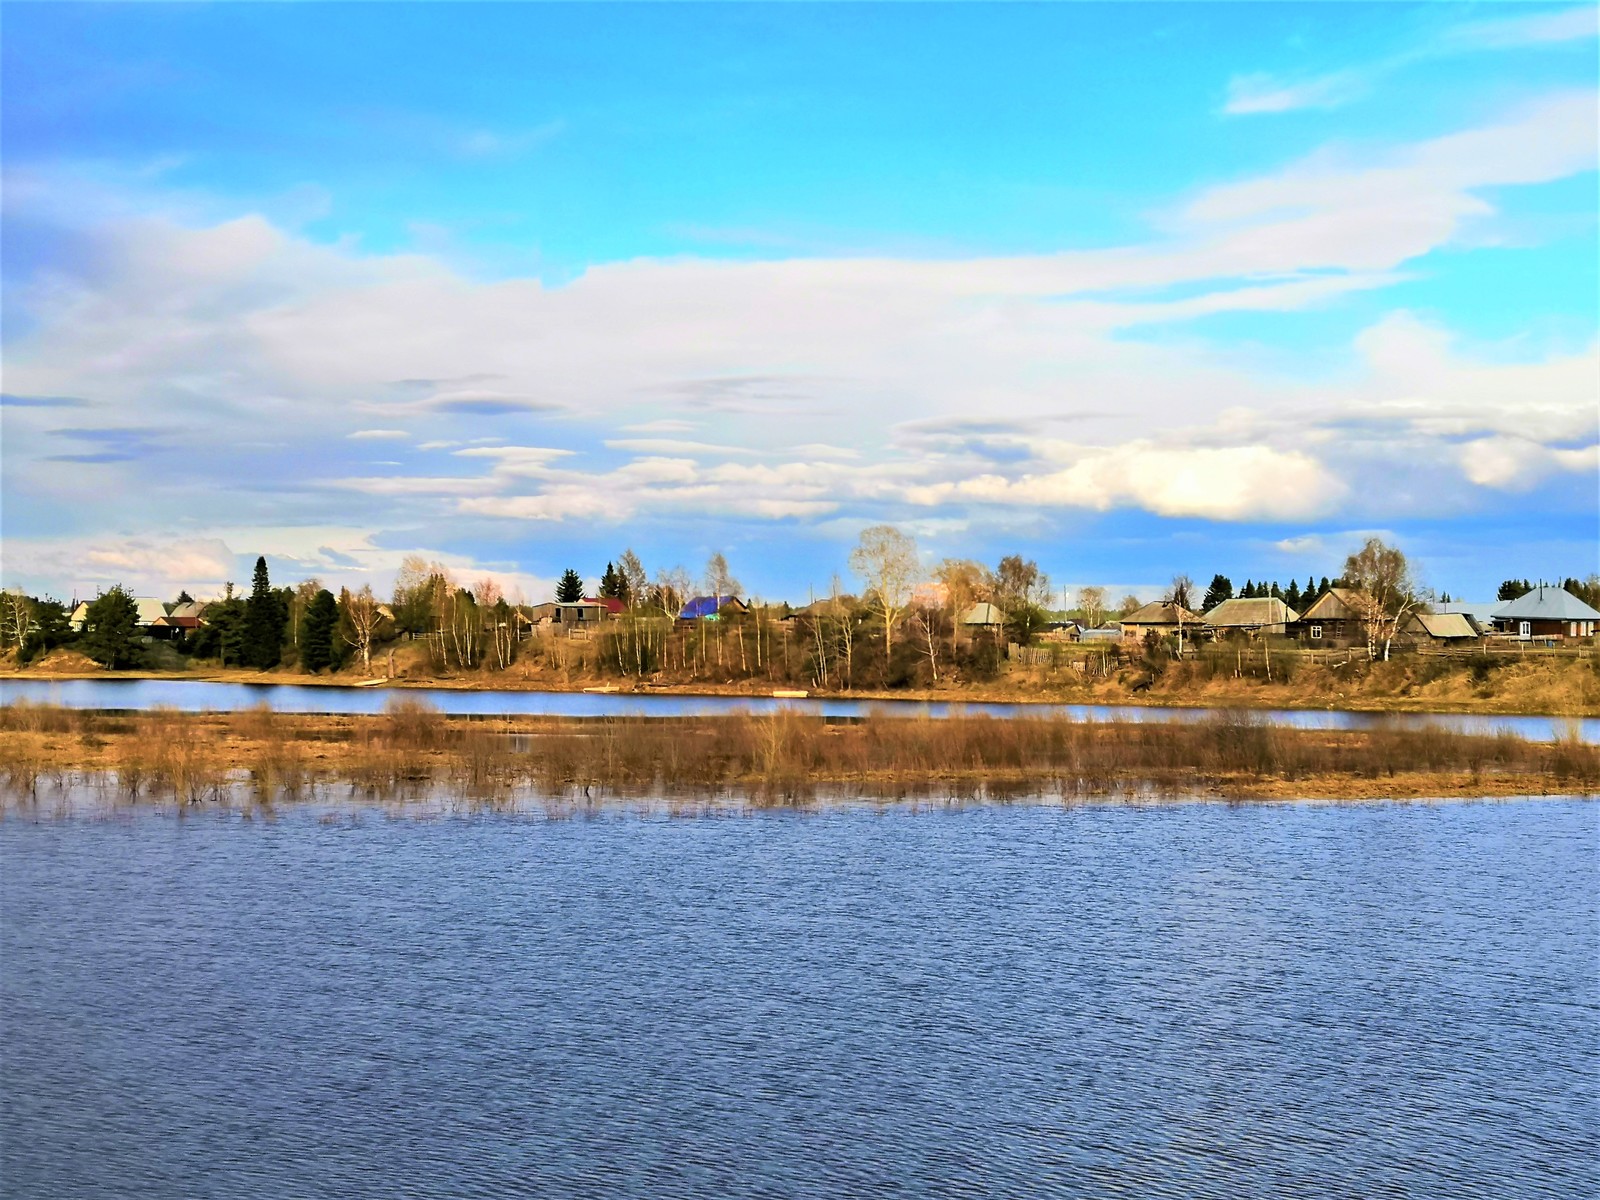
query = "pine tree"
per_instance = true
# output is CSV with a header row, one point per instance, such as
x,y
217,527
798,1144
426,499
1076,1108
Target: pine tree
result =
x,y
1248,591
570,589
1276,593
1292,596
611,584
1324,587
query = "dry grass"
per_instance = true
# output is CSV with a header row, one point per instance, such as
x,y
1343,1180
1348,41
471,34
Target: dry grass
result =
x,y
411,750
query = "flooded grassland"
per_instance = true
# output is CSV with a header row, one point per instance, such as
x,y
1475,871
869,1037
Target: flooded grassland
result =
x,y
411,750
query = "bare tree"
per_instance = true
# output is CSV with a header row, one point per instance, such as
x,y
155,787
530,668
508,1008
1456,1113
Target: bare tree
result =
x,y
361,617
1129,604
1092,604
1381,575
633,575
720,581
886,560
965,583
16,616
1178,595
925,620
672,590
492,606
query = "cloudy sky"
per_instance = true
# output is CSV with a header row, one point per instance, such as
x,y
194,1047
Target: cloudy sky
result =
x,y
1128,289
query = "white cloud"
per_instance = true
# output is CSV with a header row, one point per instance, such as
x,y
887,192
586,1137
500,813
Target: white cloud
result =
x,y
1231,484
1516,464
839,389
1260,92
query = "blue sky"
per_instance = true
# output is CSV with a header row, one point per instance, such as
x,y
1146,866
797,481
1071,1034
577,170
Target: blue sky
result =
x,y
1131,289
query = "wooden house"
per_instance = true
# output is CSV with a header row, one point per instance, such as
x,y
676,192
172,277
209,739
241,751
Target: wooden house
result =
x,y
1163,620
1251,617
1337,618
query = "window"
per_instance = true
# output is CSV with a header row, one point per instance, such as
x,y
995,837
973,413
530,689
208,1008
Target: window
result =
x,y
1316,633
1525,629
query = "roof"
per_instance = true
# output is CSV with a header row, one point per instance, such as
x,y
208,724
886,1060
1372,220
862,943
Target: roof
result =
x,y
983,614
1481,611
189,608
1157,613
174,621
612,605
706,606
1338,604
1546,603
150,609
1240,613
1447,625
1107,633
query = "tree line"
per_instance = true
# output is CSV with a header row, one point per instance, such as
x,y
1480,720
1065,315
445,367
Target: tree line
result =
x,y
906,621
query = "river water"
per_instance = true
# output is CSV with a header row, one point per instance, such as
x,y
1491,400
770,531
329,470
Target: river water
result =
x,y
199,696
1180,1000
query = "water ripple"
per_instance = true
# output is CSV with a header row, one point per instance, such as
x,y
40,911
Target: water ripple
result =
x,y
1192,1002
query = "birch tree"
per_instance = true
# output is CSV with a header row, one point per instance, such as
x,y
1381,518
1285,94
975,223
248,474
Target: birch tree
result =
x,y
16,617
886,560
361,617
1381,574
1092,604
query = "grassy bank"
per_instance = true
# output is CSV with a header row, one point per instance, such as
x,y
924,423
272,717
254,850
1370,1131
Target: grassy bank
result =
x,y
412,750
1544,684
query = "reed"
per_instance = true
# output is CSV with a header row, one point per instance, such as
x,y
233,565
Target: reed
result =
x,y
411,750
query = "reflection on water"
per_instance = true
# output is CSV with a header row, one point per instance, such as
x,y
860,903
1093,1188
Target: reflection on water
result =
x,y
196,696
1172,1001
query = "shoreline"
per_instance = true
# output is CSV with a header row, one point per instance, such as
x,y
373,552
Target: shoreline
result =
x,y
973,694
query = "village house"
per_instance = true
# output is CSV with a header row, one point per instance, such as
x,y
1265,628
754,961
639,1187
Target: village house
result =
x,y
1163,620
712,608
1547,613
1442,629
1252,617
150,612
982,616
1336,619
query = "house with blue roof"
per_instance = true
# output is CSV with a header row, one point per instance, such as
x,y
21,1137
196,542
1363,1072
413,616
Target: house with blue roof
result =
x,y
712,608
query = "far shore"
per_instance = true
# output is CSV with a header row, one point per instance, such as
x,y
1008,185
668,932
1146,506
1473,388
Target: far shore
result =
x,y
998,692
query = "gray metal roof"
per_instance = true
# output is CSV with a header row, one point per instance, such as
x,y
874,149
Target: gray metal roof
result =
x,y
1546,603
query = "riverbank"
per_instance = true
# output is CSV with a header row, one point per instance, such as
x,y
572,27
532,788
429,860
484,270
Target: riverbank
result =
x,y
777,758
1537,685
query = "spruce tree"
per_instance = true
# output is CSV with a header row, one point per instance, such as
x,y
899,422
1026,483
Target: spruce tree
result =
x,y
610,583
1221,589
110,629
1292,596
263,622
570,589
318,631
